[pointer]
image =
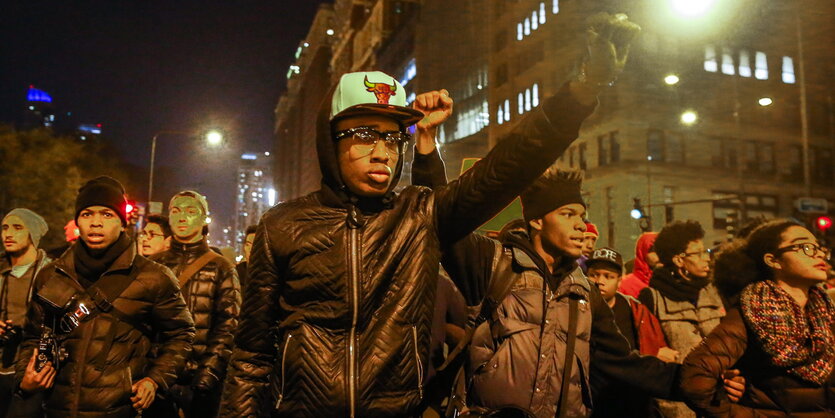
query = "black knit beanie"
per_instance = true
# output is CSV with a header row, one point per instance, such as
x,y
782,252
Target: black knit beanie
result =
x,y
551,191
102,191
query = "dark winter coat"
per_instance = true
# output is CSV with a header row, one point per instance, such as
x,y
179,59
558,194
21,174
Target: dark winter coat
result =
x,y
516,358
8,351
348,283
213,296
770,391
106,354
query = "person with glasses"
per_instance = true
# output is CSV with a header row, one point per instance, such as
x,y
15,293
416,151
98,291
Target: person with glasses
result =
x,y
155,236
337,312
779,331
681,296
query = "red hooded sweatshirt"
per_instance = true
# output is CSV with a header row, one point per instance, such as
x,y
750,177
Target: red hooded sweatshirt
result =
x,y
632,283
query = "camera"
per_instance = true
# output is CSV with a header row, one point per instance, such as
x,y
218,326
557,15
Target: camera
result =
x,y
49,351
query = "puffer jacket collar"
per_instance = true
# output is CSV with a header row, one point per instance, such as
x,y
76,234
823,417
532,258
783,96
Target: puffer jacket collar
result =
x,y
189,249
123,262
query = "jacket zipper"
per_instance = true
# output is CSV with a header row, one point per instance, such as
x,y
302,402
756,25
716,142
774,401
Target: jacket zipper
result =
x,y
283,360
353,258
418,362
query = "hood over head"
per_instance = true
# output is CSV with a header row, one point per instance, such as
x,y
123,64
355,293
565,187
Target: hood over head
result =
x,y
356,95
642,248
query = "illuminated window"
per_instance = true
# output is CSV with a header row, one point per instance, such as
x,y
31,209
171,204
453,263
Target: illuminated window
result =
x,y
534,20
728,62
519,34
521,101
507,110
535,101
788,70
500,115
542,13
744,64
761,66
527,100
710,59
527,26
556,7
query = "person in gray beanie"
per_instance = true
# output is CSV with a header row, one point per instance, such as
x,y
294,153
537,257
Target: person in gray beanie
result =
x,y
22,232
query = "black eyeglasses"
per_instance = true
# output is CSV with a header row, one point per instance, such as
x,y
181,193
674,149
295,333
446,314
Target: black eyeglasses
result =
x,y
150,235
810,249
365,139
701,254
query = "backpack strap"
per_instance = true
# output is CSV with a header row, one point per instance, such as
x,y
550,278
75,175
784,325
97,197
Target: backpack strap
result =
x,y
195,266
571,339
501,281
450,374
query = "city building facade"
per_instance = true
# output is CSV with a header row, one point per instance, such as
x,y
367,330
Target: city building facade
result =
x,y
255,194
720,117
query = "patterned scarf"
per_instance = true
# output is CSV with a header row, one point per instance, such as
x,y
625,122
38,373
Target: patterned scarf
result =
x,y
797,339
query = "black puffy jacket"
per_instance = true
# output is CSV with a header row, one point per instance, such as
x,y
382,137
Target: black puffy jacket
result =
x,y
213,296
107,354
337,310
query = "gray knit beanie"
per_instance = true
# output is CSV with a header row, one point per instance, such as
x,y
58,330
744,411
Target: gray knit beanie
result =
x,y
36,225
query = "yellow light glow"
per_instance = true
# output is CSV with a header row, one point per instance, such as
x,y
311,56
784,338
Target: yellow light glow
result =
x,y
214,138
689,117
691,8
765,101
671,79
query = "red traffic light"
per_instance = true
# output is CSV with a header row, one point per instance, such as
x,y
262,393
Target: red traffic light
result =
x,y
823,223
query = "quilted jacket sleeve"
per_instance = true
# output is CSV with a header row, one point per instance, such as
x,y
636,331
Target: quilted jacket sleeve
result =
x,y
511,166
171,319
246,392
219,342
703,369
428,169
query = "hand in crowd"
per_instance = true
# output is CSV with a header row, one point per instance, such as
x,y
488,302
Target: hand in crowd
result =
x,y
36,381
4,326
734,385
667,354
144,392
436,107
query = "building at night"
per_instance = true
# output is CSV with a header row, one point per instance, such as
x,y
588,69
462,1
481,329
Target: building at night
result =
x,y
710,120
39,111
255,194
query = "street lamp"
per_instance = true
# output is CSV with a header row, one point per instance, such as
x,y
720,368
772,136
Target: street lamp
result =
x,y
671,79
213,138
691,8
689,117
765,101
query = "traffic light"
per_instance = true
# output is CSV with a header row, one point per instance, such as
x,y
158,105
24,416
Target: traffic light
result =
x,y
131,212
637,211
823,223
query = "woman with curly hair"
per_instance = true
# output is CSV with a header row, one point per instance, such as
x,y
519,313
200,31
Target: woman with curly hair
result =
x,y
779,331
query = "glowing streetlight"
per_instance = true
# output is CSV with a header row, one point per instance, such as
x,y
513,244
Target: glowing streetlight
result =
x,y
691,8
689,117
636,214
765,101
214,138
671,79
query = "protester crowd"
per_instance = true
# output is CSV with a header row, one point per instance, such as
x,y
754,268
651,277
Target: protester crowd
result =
x,y
362,301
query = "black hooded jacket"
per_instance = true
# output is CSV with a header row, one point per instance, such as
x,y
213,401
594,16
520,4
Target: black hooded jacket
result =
x,y
337,311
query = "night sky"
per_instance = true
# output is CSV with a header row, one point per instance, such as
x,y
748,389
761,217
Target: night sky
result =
x,y
138,67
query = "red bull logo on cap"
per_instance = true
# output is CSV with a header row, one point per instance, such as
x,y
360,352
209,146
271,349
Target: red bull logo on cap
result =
x,y
382,91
